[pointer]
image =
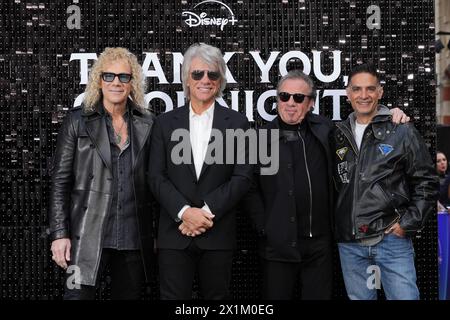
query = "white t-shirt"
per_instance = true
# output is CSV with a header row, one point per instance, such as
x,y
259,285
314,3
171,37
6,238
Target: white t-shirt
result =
x,y
359,132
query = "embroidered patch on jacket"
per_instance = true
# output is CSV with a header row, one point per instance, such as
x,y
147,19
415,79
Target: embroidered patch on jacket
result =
x,y
341,152
385,149
363,228
342,169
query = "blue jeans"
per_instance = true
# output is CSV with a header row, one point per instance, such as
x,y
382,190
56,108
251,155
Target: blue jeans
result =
x,y
389,262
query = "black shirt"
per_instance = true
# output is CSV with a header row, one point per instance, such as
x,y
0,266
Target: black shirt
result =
x,y
121,230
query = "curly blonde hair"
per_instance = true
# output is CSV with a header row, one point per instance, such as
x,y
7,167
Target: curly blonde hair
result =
x,y
93,92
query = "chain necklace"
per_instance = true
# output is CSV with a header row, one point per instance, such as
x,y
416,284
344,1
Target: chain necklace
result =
x,y
117,134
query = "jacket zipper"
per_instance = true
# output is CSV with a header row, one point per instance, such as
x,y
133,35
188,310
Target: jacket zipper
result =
x,y
309,183
357,154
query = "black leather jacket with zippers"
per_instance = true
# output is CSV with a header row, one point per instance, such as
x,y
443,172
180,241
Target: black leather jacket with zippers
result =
x,y
391,179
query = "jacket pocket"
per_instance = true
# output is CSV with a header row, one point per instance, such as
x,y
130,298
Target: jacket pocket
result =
x,y
384,196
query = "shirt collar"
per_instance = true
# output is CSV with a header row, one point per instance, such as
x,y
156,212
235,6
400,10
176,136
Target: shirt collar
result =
x,y
103,111
209,112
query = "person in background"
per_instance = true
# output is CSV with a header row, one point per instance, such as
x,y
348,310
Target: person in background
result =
x,y
444,180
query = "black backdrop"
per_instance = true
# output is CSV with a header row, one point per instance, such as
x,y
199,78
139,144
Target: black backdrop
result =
x,y
39,82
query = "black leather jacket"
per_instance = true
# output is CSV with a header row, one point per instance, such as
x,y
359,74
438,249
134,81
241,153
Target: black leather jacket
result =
x,y
391,180
81,190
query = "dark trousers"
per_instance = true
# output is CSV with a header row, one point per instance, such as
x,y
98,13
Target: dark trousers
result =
x,y
177,269
315,272
127,276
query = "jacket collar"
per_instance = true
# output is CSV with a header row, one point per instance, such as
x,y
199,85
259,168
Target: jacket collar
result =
x,y
383,115
316,125
97,131
99,109
313,121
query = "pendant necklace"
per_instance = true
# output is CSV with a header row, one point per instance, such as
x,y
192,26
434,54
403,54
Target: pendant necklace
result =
x,y
117,135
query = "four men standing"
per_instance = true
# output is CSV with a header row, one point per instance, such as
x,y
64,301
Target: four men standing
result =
x,y
100,211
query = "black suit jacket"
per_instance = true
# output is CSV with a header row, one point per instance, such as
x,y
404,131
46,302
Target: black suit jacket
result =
x,y
220,185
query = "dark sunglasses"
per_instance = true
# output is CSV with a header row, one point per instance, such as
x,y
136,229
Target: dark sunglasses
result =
x,y
109,77
298,97
198,75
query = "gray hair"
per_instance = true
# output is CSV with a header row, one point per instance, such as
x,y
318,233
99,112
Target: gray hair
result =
x,y
298,75
212,56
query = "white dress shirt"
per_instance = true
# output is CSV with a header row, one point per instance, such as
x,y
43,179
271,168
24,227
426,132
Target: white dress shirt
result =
x,y
200,126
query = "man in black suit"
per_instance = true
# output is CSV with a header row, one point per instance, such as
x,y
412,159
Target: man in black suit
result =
x,y
197,225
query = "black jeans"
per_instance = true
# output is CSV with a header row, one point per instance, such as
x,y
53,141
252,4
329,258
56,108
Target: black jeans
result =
x,y
315,272
127,276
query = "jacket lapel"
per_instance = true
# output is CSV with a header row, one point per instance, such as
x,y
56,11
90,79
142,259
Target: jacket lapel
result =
x,y
96,129
181,121
220,122
140,129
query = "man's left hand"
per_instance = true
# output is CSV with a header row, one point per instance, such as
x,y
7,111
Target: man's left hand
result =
x,y
186,231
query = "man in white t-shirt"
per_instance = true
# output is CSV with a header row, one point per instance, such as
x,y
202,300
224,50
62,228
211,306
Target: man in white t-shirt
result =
x,y
387,186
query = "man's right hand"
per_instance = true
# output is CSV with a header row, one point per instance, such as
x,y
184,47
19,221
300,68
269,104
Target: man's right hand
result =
x,y
195,220
61,252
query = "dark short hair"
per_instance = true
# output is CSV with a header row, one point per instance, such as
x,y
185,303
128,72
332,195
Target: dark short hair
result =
x,y
363,68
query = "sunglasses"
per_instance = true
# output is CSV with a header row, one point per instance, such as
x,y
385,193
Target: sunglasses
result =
x,y
109,77
198,75
298,97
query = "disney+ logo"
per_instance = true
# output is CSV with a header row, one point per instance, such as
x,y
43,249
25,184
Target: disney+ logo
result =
x,y
202,19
